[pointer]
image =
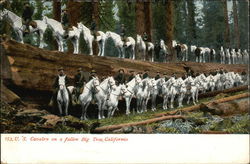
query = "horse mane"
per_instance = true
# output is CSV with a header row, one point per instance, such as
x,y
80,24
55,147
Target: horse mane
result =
x,y
13,13
86,28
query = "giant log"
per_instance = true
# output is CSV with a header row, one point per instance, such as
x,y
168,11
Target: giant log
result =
x,y
33,68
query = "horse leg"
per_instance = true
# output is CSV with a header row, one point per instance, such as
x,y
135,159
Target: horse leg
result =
x,y
41,34
128,100
103,48
172,101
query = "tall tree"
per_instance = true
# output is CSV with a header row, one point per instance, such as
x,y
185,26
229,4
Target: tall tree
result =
x,y
170,28
227,30
191,22
236,24
243,23
148,19
140,20
56,14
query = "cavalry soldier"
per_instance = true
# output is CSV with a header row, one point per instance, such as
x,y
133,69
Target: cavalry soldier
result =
x,y
79,81
190,73
93,27
65,22
92,74
165,76
132,75
174,76
27,16
56,85
145,75
120,78
158,75
145,39
140,74
123,32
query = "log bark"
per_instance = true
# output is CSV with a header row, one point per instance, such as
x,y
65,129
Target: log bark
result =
x,y
198,107
34,68
149,121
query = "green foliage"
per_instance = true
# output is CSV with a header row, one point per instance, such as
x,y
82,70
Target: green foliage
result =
x,y
159,21
243,23
126,16
39,10
214,25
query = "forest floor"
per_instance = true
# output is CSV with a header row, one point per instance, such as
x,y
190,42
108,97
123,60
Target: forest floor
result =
x,y
33,118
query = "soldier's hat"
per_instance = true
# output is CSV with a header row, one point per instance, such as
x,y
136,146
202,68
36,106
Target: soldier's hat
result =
x,y
26,3
146,70
59,69
164,73
93,71
158,72
131,71
121,70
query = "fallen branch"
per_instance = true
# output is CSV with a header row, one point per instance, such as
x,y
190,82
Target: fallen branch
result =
x,y
230,90
198,107
149,121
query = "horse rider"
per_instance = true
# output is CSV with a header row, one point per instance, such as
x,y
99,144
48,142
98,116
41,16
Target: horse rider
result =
x,y
93,26
190,73
79,81
65,23
157,75
174,76
56,85
145,39
92,74
4,4
165,76
140,74
123,33
27,16
120,77
145,75
131,76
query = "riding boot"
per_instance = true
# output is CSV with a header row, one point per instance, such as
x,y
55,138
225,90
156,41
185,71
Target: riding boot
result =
x,y
51,102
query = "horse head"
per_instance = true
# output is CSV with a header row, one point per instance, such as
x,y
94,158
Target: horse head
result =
x,y
138,39
111,81
3,14
174,43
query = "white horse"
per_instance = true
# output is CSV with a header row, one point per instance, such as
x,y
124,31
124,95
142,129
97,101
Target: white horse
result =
x,y
87,95
193,91
155,88
222,56
163,50
141,46
88,37
17,25
142,95
212,55
130,91
62,96
112,103
181,49
130,45
101,94
58,33
245,57
239,57
234,56
101,40
228,57
198,53
166,93
118,42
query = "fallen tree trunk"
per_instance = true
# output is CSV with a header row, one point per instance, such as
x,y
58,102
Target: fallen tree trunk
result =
x,y
149,121
230,90
35,68
198,107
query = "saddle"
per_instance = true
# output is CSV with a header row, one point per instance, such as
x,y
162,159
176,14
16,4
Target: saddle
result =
x,y
33,24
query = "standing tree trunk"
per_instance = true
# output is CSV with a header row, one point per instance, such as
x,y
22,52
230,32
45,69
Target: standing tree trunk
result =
x,y
191,22
227,30
236,24
170,29
56,15
95,15
148,21
140,20
74,11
